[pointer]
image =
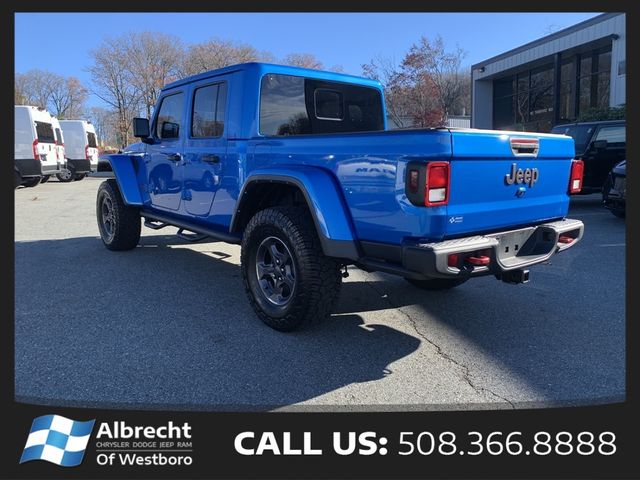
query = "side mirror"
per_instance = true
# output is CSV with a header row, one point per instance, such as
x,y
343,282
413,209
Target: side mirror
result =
x,y
141,128
599,144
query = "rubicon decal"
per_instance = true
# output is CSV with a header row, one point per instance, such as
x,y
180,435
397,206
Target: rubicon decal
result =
x,y
528,176
58,440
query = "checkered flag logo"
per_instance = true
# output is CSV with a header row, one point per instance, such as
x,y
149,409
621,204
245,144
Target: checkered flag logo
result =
x,y
57,440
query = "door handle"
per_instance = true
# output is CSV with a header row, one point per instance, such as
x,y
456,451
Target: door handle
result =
x,y
210,158
174,157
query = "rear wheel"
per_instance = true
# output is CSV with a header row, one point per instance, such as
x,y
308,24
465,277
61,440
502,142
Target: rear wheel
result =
x,y
437,283
288,279
79,176
31,182
66,174
45,179
17,178
119,224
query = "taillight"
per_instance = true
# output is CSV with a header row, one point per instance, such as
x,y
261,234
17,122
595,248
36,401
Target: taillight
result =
x,y
35,150
437,184
577,173
86,152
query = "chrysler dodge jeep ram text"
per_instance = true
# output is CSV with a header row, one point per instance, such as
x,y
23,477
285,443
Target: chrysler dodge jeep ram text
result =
x,y
297,167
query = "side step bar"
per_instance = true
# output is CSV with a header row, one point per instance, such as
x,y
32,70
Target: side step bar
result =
x,y
154,225
165,220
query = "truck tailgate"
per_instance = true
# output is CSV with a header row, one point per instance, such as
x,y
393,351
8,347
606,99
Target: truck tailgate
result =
x,y
506,179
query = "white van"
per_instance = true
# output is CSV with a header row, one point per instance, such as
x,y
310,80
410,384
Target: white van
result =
x,y
57,132
35,146
81,149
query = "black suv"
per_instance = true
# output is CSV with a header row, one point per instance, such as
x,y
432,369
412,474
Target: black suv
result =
x,y
601,145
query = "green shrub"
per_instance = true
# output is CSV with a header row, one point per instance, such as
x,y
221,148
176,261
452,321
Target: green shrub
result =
x,y
608,113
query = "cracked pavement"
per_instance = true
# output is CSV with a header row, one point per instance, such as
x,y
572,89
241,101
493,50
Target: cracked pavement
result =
x,y
168,326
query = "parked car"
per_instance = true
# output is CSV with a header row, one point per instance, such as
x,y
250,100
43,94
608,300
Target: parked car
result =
x,y
34,146
60,153
81,146
614,193
297,167
600,145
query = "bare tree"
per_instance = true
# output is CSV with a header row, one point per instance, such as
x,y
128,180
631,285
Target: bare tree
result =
x,y
152,59
21,90
400,108
67,97
304,60
111,84
428,63
218,53
105,122
34,87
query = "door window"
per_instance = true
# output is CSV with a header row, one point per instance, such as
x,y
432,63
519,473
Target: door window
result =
x,y
169,118
207,117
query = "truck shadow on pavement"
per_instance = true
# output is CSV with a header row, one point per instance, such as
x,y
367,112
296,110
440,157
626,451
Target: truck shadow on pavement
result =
x,y
162,327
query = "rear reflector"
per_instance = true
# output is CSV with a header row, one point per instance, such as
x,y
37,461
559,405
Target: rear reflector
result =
x,y
437,184
575,180
565,239
414,176
452,260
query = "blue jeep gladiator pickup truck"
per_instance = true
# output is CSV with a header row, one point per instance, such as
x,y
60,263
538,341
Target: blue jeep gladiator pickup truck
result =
x,y
297,167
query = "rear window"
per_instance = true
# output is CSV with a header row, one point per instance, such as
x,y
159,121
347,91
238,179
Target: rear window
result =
x,y
44,131
579,133
291,105
91,140
58,136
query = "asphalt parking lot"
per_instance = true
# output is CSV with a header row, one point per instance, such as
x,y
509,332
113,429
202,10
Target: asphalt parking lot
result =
x,y
167,325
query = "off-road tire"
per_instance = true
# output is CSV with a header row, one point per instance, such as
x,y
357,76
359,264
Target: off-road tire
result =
x,y
31,182
17,178
123,232
317,277
45,179
437,283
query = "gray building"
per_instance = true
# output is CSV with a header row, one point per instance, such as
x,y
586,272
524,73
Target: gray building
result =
x,y
553,79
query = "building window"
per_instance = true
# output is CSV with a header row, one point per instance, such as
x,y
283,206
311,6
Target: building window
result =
x,y
525,101
594,79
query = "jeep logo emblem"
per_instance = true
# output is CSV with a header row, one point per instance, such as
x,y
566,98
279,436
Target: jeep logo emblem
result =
x,y
519,176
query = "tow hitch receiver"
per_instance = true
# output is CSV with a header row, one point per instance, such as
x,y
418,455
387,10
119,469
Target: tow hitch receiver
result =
x,y
515,276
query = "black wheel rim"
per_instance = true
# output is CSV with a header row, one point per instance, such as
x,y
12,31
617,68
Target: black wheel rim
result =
x,y
108,217
275,271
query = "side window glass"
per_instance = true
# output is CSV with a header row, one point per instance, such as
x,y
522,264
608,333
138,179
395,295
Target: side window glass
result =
x,y
170,117
207,117
615,134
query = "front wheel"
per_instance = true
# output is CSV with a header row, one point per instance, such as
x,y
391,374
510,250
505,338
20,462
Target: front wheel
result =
x,y
45,179
437,283
288,279
119,224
